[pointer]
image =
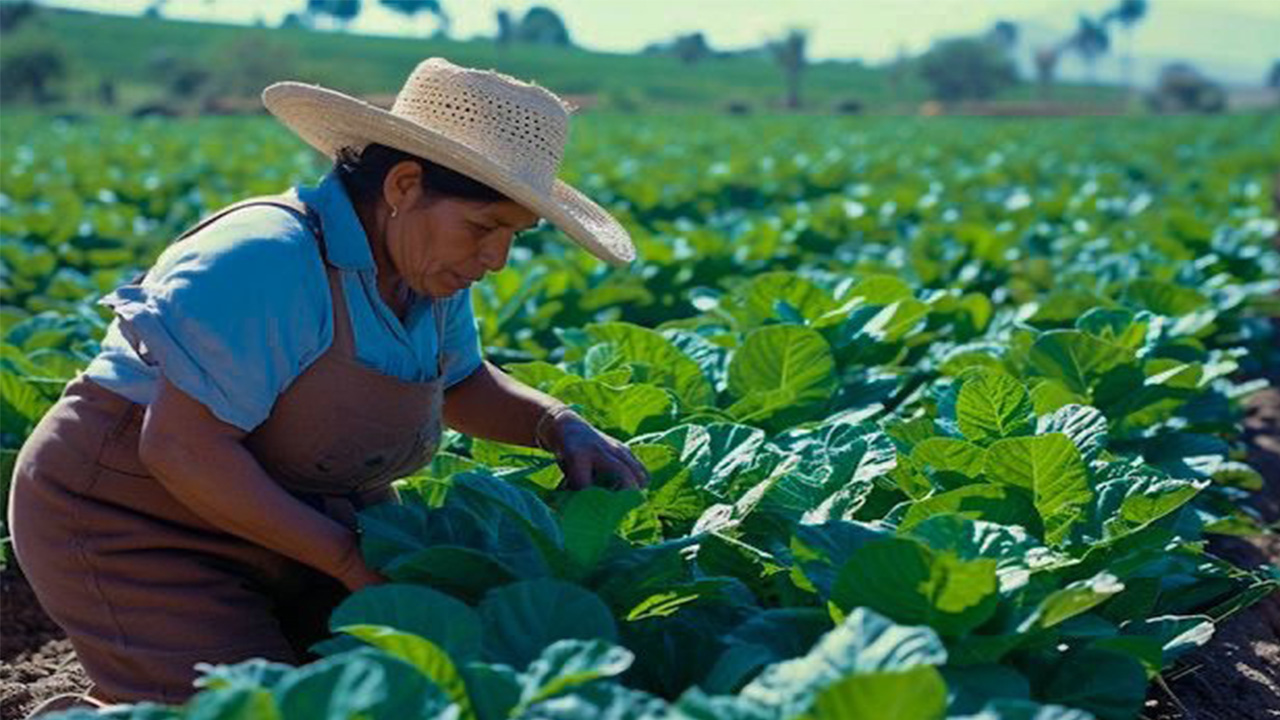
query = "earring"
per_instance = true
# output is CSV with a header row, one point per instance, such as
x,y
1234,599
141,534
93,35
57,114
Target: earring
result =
x,y
394,210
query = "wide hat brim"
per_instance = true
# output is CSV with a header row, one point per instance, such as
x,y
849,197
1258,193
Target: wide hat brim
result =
x,y
329,120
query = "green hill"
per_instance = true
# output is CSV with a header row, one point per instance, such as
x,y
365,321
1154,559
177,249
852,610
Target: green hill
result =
x,y
142,59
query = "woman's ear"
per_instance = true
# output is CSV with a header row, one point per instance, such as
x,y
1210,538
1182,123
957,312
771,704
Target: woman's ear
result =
x,y
402,188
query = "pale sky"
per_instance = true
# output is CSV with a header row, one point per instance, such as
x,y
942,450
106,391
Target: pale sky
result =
x,y
1237,39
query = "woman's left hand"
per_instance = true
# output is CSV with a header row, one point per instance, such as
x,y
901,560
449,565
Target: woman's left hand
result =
x,y
585,454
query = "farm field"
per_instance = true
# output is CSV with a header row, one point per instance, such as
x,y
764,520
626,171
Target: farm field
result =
x,y
945,418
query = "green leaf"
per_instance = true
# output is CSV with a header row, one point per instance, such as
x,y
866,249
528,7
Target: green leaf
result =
x,y
523,618
566,664
1076,359
714,454
666,365
1051,467
945,454
1164,298
462,572
1109,684
434,616
625,410
589,521
759,297
994,405
360,683
864,642
430,659
1085,426
1001,504
916,694
1073,600
778,368
912,584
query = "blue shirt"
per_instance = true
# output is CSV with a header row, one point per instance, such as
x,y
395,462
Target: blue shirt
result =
x,y
237,311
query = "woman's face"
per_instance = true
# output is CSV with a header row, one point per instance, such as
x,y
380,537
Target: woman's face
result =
x,y
442,244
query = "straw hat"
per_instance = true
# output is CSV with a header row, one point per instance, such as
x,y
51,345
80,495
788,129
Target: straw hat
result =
x,y
507,134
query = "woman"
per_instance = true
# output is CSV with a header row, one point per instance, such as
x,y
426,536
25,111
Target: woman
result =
x,y
192,495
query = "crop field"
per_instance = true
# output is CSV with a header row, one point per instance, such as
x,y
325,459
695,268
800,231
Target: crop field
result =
x,y
943,417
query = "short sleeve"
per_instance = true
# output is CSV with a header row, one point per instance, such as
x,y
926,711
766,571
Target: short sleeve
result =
x,y
461,341
233,314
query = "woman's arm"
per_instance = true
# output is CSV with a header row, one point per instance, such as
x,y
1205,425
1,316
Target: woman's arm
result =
x,y
200,460
493,405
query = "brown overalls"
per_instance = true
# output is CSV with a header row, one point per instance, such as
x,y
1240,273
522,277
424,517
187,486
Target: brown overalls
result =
x,y
145,588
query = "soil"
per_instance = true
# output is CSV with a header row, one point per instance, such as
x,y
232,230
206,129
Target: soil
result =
x,y
36,660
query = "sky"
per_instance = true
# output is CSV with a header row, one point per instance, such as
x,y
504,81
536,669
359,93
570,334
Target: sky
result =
x,y
1236,40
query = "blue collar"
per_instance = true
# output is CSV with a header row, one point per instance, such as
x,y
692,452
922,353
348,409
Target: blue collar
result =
x,y
344,236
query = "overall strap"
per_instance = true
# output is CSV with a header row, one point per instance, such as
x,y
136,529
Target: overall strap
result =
x,y
285,200
438,314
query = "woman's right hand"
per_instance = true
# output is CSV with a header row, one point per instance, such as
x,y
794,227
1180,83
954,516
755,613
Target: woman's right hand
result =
x,y
355,573
362,576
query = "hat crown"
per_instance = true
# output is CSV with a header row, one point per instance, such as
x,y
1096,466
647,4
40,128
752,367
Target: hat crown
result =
x,y
510,121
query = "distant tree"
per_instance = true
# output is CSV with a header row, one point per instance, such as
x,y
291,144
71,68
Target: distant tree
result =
x,y
411,8
967,69
542,26
293,21
506,28
1128,13
341,12
789,53
1004,35
32,68
1273,78
1090,42
155,10
1182,88
1046,59
691,48
14,14
182,76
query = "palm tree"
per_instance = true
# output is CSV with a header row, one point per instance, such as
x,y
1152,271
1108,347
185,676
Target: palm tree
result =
x,y
411,8
1128,13
1090,42
342,11
789,54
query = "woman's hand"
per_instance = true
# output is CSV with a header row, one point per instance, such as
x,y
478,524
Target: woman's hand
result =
x,y
585,453
356,574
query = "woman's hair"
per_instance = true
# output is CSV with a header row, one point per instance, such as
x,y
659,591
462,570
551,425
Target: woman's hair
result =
x,y
363,173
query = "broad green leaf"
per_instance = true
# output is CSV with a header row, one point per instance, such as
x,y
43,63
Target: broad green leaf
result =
x,y
945,454
462,572
992,502
432,661
360,683
523,618
1076,359
916,694
994,405
1050,467
629,409
864,642
759,297
1109,684
780,367
906,581
427,613
566,664
667,366
1078,597
590,519
714,453
1084,425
